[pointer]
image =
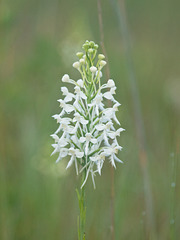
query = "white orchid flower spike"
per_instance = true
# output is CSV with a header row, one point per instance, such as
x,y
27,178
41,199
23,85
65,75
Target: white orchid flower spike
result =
x,y
88,129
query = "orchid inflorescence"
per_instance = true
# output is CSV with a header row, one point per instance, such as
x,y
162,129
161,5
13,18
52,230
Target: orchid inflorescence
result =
x,y
86,129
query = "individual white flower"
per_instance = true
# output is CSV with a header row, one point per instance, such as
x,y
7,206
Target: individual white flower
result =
x,y
58,147
74,153
69,96
79,93
87,139
99,161
68,108
57,117
109,113
63,152
65,126
97,103
113,135
79,119
109,84
111,153
106,129
109,95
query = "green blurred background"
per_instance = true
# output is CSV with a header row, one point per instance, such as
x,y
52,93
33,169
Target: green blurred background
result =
x,y
38,42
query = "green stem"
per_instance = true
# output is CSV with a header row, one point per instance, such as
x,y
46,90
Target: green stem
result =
x,y
82,208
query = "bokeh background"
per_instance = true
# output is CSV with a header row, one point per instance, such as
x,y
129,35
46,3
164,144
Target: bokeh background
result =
x,y
38,42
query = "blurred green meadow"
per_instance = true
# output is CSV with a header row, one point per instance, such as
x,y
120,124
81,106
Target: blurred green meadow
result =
x,y
38,42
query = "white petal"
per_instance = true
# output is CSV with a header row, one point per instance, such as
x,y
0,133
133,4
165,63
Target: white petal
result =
x,y
86,148
70,162
62,143
64,152
55,137
80,83
112,134
82,95
83,121
117,159
94,159
105,139
79,154
94,140
56,149
108,95
82,139
69,108
100,127
87,174
68,98
116,120
112,161
64,90
58,159
76,65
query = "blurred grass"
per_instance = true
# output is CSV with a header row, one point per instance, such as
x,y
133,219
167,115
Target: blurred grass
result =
x,y
38,43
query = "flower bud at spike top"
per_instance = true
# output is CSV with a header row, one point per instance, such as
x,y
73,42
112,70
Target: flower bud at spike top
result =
x,y
101,56
65,78
82,61
79,54
110,83
102,63
88,130
93,69
76,65
91,43
95,46
90,50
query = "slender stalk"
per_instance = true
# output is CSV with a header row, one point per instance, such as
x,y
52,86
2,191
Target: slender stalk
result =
x,y
174,162
82,208
119,7
172,196
107,77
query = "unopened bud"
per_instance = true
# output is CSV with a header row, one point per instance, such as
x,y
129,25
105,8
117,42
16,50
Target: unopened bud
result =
x,y
80,83
82,61
102,63
93,69
110,83
79,54
96,46
90,50
65,78
76,65
101,56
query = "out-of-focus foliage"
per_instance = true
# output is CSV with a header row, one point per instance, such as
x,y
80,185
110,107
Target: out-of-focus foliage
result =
x,y
38,42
